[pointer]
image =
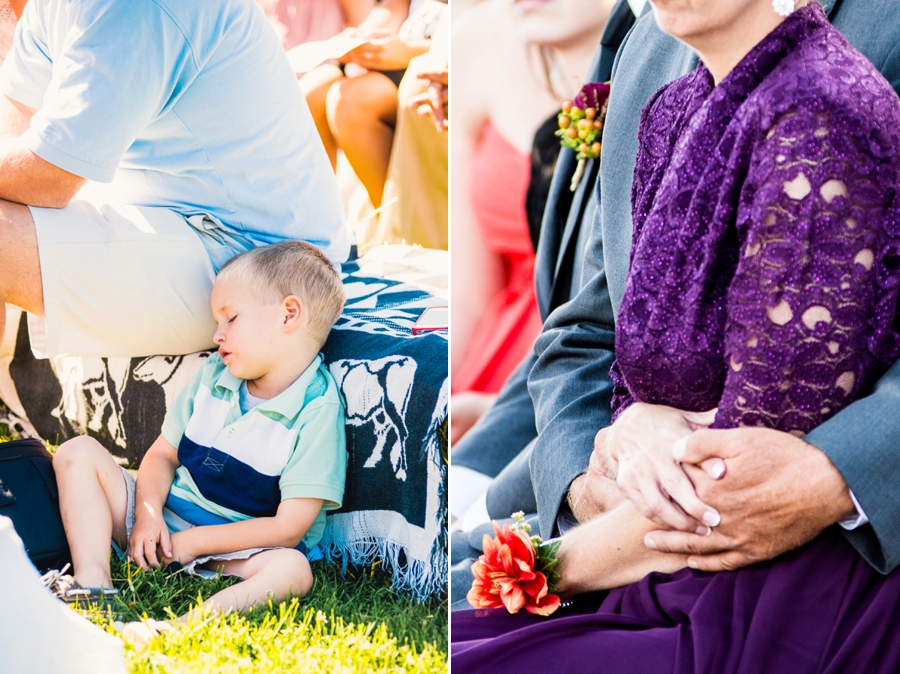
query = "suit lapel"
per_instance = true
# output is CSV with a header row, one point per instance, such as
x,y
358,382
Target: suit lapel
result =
x,y
553,273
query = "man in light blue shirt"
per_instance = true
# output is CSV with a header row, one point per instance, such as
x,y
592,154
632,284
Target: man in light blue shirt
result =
x,y
190,124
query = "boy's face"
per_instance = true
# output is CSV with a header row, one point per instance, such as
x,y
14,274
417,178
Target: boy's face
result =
x,y
249,330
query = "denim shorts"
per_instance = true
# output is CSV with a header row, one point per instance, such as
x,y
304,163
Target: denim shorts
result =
x,y
175,523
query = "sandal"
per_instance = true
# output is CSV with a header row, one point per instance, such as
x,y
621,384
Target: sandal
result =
x,y
64,587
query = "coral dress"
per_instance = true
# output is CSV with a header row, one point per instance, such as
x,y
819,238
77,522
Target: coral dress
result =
x,y
764,281
498,182
299,21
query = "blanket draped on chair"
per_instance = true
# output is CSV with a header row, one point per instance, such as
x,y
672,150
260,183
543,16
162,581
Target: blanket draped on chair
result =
x,y
394,385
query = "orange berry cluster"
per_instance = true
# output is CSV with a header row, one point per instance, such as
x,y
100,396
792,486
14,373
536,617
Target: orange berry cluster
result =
x,y
580,130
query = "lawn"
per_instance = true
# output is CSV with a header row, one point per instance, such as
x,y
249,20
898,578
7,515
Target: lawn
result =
x,y
350,623
346,624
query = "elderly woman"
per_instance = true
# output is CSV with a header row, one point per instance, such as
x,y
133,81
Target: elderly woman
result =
x,y
762,292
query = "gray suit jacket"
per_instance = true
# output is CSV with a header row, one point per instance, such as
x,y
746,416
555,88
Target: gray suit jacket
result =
x,y
508,427
570,381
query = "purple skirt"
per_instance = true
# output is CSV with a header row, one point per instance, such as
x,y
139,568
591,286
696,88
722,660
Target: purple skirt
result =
x,y
820,608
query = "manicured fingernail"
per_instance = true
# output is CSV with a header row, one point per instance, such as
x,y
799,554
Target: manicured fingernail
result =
x,y
712,518
716,468
650,543
703,531
692,563
679,449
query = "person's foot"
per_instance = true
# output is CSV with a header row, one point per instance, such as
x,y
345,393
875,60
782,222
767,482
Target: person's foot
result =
x,y
139,633
64,587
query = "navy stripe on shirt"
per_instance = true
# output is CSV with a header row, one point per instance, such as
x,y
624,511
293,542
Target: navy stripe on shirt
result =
x,y
229,482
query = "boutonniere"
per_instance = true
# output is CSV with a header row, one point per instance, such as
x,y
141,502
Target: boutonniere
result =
x,y
581,125
516,571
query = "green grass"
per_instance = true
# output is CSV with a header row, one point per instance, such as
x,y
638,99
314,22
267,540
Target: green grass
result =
x,y
346,624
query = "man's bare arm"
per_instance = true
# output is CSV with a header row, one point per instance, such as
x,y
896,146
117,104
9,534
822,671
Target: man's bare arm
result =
x,y
24,177
14,117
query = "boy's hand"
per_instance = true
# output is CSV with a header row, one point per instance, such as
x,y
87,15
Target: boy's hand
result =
x,y
182,551
149,535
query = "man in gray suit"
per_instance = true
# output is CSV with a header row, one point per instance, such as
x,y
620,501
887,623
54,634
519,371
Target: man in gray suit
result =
x,y
805,485
501,434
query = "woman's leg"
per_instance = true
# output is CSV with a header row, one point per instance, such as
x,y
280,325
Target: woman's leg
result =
x,y
315,85
362,113
93,500
272,574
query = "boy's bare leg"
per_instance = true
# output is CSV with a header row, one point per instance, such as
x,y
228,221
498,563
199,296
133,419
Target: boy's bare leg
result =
x,y
272,574
92,499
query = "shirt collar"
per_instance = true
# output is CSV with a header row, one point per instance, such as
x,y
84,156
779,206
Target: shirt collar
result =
x,y
638,6
287,403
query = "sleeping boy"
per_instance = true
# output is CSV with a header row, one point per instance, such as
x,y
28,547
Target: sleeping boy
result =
x,y
252,453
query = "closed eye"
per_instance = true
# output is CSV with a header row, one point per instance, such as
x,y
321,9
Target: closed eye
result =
x,y
231,320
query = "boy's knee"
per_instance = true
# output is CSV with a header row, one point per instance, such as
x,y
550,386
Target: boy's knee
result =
x,y
293,566
77,451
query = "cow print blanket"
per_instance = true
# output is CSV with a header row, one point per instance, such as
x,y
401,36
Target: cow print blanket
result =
x,y
395,386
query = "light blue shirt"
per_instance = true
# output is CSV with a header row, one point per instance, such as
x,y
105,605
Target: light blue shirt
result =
x,y
184,104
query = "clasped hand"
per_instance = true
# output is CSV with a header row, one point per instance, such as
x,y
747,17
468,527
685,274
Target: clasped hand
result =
x,y
640,445
767,491
383,50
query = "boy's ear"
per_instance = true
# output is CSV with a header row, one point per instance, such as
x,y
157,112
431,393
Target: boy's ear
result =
x,y
294,313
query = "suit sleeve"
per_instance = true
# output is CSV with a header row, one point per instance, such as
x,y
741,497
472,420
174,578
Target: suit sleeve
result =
x,y
570,383
571,387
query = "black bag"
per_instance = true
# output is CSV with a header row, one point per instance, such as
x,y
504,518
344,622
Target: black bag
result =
x,y
29,497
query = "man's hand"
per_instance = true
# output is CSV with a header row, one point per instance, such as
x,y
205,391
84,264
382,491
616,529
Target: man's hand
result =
x,y
150,544
595,492
777,494
640,442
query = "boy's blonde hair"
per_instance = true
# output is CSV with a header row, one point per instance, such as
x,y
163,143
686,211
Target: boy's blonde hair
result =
x,y
292,268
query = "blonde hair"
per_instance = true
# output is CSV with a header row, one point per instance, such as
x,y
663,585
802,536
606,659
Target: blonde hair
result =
x,y
292,268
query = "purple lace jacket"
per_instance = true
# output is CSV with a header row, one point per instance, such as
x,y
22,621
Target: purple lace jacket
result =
x,y
766,252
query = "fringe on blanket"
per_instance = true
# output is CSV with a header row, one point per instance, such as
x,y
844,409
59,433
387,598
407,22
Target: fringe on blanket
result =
x,y
347,540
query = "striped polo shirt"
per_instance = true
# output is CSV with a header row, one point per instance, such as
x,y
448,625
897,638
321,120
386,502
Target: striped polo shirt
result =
x,y
236,465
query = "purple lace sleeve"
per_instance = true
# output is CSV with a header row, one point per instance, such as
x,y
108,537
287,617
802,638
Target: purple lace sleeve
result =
x,y
812,301
621,396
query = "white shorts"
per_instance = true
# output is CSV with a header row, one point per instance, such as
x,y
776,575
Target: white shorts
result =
x,y
121,280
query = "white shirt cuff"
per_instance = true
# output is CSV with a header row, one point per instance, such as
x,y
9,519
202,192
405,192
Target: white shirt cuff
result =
x,y
857,520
